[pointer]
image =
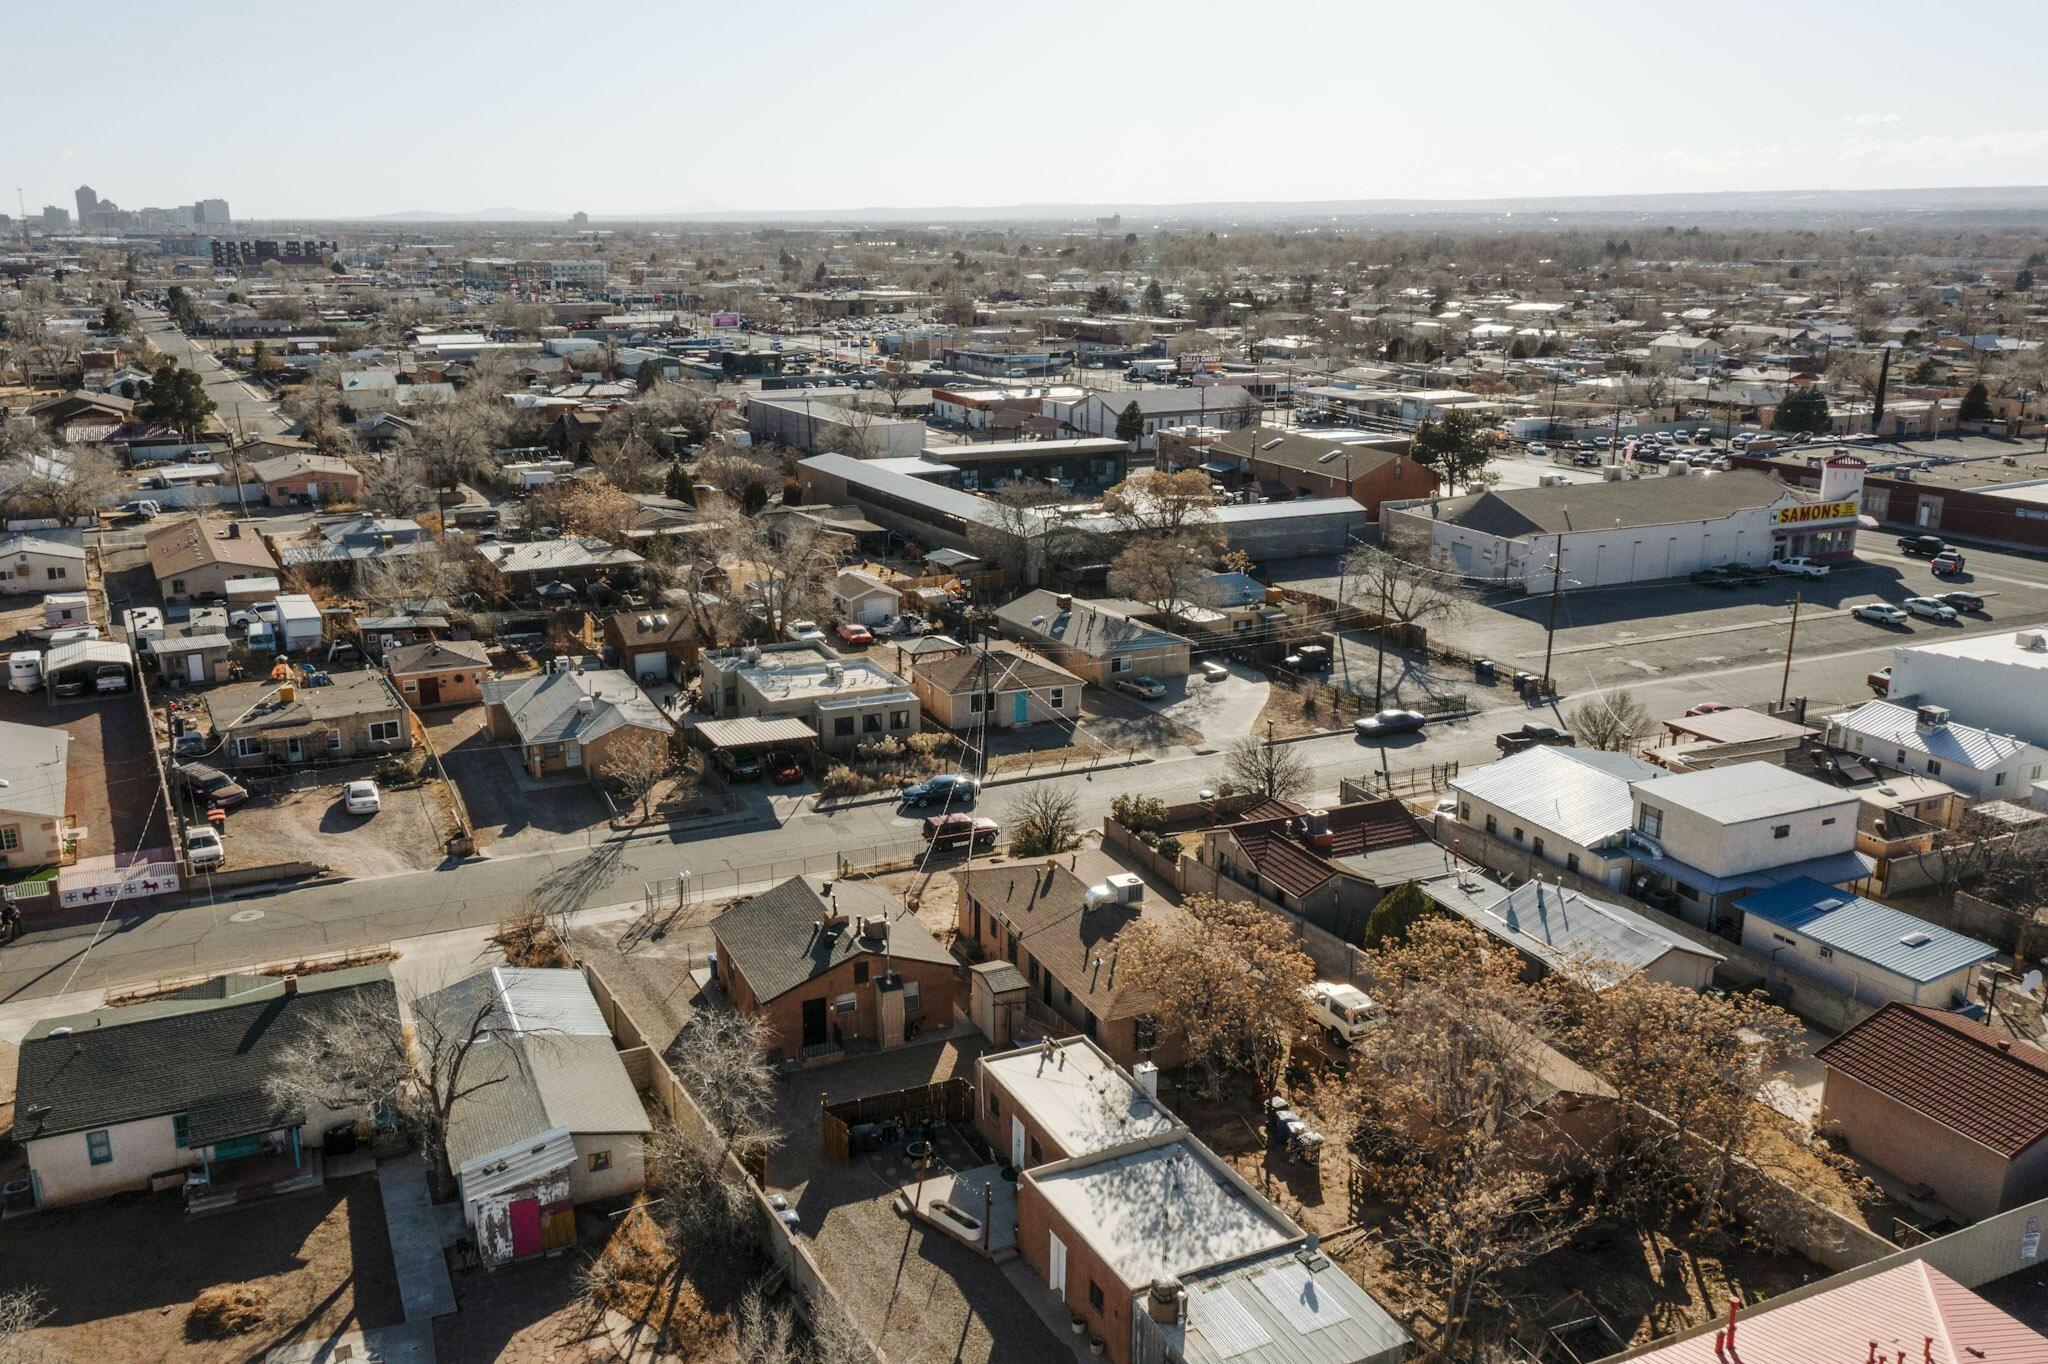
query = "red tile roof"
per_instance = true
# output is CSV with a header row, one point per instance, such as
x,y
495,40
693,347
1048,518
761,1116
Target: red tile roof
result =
x,y
1963,1075
1276,847
1913,1311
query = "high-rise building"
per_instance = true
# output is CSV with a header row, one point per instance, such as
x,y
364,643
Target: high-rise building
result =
x,y
211,213
88,204
581,219
56,219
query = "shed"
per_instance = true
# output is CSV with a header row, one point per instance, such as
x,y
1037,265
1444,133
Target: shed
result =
x,y
995,996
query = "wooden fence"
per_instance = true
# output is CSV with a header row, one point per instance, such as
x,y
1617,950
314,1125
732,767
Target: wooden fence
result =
x,y
951,1099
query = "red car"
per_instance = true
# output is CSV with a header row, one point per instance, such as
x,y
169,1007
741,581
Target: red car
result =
x,y
784,769
1946,563
857,635
976,833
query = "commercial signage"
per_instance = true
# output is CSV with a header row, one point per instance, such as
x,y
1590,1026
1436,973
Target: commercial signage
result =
x,y
1807,512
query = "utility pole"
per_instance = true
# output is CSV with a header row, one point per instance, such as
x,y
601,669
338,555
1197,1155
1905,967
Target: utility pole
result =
x,y
1550,629
1379,650
1785,686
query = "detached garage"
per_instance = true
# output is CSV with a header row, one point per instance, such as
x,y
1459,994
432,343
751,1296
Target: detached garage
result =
x,y
652,646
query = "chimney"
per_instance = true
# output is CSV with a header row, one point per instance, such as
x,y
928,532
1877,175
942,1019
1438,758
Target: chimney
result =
x,y
1146,1076
1734,1305
1162,1301
291,986
1065,601
234,530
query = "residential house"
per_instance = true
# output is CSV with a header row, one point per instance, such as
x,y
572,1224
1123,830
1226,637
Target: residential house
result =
x,y
439,672
654,645
1328,866
1158,1247
1593,941
1059,923
1569,807
548,1117
1677,351
1925,741
1736,734
846,701
303,477
115,1100
267,724
1219,405
1868,951
349,540
576,560
1702,840
824,966
1096,641
34,561
80,417
569,722
862,598
35,821
1001,686
1941,1102
194,652
192,560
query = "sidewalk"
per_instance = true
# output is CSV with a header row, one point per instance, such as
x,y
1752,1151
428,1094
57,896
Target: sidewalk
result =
x,y
423,1283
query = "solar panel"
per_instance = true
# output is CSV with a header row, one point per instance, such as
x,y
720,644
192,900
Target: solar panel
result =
x,y
1224,1322
1297,1296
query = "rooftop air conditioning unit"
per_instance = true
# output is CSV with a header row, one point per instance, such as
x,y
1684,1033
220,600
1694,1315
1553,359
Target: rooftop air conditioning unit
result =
x,y
2033,640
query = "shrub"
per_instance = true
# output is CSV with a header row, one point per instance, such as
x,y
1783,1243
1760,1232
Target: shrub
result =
x,y
1139,814
227,1310
529,940
1168,848
841,780
883,750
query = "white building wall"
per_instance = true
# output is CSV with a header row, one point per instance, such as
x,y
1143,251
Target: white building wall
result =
x,y
628,1170
2010,698
1865,982
64,1171
1604,558
1719,849
1610,869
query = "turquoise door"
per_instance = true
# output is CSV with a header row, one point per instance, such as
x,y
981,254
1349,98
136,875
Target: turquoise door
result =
x,y
1021,712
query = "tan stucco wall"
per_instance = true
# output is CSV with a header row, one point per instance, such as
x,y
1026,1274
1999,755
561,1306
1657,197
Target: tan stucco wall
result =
x,y
65,1173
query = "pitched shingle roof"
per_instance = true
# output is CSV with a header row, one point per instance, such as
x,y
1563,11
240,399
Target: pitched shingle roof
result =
x,y
1281,856
1007,671
437,655
1963,1075
773,941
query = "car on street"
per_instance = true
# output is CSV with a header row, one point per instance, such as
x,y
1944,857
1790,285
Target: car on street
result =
x,y
948,788
1141,686
1946,564
784,769
204,849
1964,601
1537,447
1930,608
210,786
977,833
1530,735
1922,546
1708,708
1388,722
1800,568
1880,681
856,635
1878,613
362,798
1214,671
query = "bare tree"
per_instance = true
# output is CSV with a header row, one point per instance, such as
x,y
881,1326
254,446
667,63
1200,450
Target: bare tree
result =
x,y
397,485
638,762
1403,591
1045,819
784,567
1614,721
1159,501
65,483
1163,571
429,572
587,506
722,1059
1275,771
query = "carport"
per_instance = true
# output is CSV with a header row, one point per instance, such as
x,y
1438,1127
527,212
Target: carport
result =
x,y
753,734
75,669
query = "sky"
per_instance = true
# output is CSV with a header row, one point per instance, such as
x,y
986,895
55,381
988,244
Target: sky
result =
x,y
360,109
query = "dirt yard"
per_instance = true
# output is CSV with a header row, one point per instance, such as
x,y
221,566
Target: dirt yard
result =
x,y
309,824
118,1277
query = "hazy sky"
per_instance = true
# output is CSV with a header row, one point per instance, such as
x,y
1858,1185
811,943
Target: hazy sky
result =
x,y
365,108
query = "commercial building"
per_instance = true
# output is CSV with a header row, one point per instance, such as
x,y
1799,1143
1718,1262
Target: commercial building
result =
x,y
1970,487
816,426
1997,682
1281,464
1089,465
1219,405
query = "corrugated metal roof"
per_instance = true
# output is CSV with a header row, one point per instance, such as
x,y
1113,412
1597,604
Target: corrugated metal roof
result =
x,y
1283,1307
749,730
1581,795
1741,792
1885,937
1574,933
1890,723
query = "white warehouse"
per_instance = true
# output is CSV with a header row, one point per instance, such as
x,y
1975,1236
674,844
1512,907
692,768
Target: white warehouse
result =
x,y
1996,682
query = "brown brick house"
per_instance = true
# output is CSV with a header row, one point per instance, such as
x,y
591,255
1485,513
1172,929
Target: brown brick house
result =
x,y
439,672
827,970
1042,920
568,722
1286,463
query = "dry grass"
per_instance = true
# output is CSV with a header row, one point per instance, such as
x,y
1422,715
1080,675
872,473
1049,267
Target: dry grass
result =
x,y
529,940
637,1276
1303,711
230,1310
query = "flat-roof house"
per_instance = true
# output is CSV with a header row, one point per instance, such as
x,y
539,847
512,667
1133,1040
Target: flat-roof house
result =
x,y
35,821
824,966
569,722
42,561
846,701
1868,951
109,1101
1943,1102
548,1116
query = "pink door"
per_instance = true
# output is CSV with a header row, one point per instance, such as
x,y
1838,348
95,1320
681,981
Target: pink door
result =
x,y
525,1228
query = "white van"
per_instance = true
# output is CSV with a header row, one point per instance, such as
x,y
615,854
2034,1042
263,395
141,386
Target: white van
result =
x,y
1345,1010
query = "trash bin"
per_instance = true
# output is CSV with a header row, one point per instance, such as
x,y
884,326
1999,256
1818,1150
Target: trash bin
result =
x,y
1482,670
1522,681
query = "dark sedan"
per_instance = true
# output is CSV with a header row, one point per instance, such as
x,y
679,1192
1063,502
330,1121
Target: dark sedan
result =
x,y
1389,722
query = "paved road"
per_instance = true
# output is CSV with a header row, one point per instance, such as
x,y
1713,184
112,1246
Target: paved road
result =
x,y
243,410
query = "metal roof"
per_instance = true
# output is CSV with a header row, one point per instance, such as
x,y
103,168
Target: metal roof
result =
x,y
1836,869
1891,723
1887,938
1573,933
1580,794
1742,792
34,763
1283,1307
751,730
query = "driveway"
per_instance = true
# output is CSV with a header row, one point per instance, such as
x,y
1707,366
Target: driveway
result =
x,y
1218,711
509,811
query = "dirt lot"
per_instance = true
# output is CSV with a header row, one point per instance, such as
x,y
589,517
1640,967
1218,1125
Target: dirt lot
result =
x,y
528,1312
309,824
118,1277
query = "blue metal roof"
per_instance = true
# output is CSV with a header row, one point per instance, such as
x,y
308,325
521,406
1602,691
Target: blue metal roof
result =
x,y
1834,868
1885,937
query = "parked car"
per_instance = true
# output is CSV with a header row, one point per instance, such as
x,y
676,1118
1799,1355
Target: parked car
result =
x,y
361,798
1141,686
1389,722
1537,447
948,788
1930,608
209,785
1530,735
1214,671
1880,681
1878,613
142,509
1345,1010
1708,708
1946,563
1964,601
975,832
738,766
1800,567
858,636
204,849
1922,546
784,769
804,631
110,677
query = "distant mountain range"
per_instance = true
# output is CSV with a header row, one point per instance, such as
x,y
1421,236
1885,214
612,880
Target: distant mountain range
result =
x,y
1755,204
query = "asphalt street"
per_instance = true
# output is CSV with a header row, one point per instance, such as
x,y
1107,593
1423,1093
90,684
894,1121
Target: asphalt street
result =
x,y
241,407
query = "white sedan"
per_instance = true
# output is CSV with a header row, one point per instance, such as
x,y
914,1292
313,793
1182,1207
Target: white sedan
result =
x,y
361,798
1800,568
1882,613
1930,608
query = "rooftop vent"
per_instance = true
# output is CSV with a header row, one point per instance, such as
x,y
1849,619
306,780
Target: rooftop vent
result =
x,y
2035,641
1916,939
1121,888
1930,717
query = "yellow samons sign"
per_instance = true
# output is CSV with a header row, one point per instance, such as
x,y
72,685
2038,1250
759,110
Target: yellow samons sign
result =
x,y
1815,511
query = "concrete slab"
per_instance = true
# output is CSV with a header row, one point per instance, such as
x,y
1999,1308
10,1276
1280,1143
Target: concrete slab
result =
x,y
1050,1310
973,1192
412,1343
415,1240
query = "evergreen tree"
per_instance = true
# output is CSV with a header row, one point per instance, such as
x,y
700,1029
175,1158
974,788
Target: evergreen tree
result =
x,y
1804,409
1976,404
177,399
1398,911
1130,424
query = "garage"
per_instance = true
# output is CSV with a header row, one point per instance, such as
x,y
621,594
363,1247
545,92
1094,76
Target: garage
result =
x,y
650,667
